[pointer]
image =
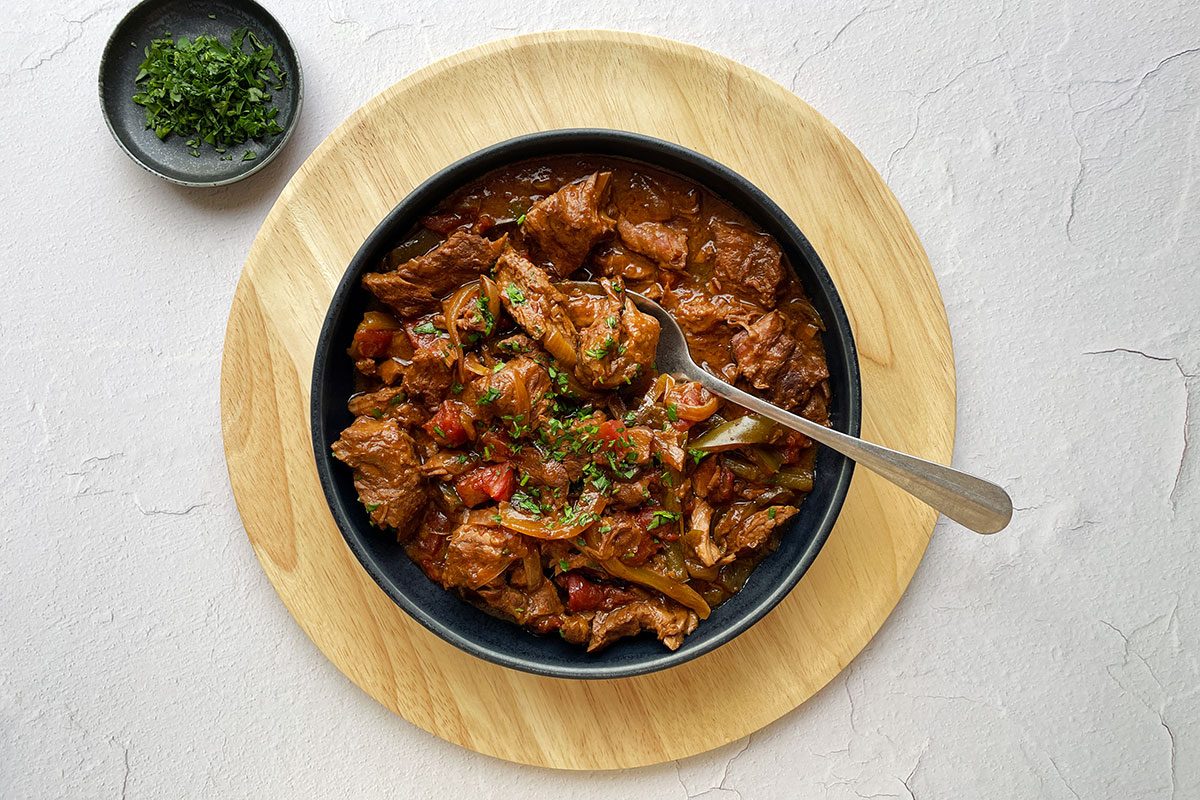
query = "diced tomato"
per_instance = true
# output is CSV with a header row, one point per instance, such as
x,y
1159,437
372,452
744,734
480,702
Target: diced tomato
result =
x,y
373,343
584,595
446,425
611,430
692,403
496,482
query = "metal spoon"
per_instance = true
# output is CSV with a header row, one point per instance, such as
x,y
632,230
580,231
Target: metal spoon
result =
x,y
973,502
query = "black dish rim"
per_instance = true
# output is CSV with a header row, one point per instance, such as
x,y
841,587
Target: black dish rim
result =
x,y
834,471
279,38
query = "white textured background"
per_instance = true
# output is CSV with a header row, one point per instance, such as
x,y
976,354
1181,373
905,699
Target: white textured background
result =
x,y
1047,155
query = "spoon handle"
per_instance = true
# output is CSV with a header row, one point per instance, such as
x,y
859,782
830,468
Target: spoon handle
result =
x,y
972,502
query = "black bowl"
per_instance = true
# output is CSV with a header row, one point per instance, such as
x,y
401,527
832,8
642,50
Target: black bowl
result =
x,y
461,623
169,158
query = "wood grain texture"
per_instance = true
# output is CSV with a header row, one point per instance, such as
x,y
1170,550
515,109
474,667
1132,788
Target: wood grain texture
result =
x,y
584,79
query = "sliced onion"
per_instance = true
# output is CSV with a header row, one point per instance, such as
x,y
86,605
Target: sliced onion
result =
x,y
489,289
661,387
542,528
521,398
452,308
471,363
558,346
533,568
698,413
699,537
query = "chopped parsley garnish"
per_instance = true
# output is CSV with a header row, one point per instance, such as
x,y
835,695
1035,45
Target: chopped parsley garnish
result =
x,y
611,322
696,455
377,413
524,501
601,350
514,293
438,430
372,507
485,315
626,472
662,518
771,512
559,379
397,399
499,365
599,481
563,564
456,387
672,412
518,429
212,92
426,328
521,220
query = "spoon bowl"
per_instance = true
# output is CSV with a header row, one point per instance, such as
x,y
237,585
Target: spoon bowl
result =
x,y
973,502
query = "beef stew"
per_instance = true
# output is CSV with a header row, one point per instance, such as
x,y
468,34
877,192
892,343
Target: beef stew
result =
x,y
511,429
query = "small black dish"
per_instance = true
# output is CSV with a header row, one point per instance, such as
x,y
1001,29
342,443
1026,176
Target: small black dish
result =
x,y
170,159
461,623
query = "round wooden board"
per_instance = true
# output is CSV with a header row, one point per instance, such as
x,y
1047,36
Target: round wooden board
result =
x,y
584,79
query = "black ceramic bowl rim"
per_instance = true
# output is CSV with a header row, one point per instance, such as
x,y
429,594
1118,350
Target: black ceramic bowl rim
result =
x,y
277,147
329,415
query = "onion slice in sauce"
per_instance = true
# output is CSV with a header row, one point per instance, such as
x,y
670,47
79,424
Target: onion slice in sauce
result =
x,y
560,348
586,515
490,290
453,308
698,413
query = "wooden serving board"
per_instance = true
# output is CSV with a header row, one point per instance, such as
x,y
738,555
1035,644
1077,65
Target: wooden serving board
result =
x,y
560,80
